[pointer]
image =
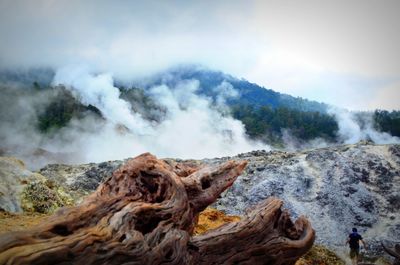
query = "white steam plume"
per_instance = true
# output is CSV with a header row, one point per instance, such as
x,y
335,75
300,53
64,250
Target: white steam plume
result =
x,y
350,131
225,91
192,128
292,143
99,91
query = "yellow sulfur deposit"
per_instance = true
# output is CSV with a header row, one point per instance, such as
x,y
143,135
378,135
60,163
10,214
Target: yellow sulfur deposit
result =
x,y
212,218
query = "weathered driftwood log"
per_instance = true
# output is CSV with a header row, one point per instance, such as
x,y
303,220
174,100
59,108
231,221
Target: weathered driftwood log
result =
x,y
393,251
145,213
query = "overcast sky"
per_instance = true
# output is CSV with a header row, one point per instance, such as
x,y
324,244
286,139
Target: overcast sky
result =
x,y
344,53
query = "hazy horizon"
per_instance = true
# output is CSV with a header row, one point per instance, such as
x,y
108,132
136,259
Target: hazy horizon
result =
x,y
342,53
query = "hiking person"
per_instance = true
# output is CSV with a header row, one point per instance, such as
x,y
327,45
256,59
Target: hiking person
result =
x,y
354,243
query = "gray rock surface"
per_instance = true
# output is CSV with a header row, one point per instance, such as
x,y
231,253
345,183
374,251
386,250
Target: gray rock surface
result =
x,y
337,188
14,177
53,186
80,180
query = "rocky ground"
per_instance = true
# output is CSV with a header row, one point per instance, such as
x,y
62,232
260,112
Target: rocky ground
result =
x,y
336,188
16,222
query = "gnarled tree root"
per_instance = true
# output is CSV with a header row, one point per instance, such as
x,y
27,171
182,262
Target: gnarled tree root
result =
x,y
393,251
145,214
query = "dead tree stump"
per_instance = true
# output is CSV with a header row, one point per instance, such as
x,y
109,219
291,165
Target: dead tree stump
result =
x,y
145,214
393,251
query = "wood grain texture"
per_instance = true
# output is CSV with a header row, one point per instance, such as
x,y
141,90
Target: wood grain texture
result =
x,y
393,251
145,214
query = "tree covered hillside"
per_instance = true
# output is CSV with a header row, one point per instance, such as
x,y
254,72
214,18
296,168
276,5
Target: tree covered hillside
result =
x,y
267,115
248,93
269,124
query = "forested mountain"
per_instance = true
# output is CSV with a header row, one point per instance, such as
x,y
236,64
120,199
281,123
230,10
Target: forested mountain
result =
x,y
267,115
32,76
248,93
386,121
270,124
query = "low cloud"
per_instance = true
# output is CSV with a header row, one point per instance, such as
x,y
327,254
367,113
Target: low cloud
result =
x,y
267,42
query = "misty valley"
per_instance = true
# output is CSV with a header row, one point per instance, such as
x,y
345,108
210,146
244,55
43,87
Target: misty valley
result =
x,y
47,117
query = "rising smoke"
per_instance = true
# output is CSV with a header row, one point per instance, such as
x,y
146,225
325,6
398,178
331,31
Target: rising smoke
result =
x,y
191,127
99,91
355,127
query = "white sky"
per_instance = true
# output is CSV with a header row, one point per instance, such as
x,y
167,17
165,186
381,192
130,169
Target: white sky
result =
x,y
344,53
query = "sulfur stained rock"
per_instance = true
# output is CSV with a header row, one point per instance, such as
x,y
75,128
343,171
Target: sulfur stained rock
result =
x,y
337,188
44,197
320,255
145,213
211,218
14,178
